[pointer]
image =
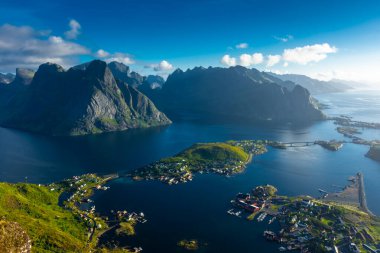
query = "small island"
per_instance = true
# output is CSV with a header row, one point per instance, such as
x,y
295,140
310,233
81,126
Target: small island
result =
x,y
189,244
349,132
374,152
330,145
307,224
224,158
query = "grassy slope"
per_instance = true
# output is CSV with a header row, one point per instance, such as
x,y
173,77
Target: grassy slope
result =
x,y
208,152
50,227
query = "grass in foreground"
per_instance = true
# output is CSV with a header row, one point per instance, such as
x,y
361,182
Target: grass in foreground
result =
x,y
35,208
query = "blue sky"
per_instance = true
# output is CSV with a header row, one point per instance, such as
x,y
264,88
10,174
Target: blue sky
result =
x,y
324,39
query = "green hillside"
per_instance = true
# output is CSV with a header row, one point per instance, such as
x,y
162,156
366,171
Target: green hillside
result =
x,y
35,208
206,152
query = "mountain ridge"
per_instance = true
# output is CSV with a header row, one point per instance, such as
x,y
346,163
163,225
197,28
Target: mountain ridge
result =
x,y
235,92
80,101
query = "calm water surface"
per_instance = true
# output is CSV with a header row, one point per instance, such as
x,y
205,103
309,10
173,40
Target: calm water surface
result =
x,y
198,209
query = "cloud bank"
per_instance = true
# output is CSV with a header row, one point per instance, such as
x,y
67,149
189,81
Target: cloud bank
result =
x,y
307,54
299,55
23,46
227,60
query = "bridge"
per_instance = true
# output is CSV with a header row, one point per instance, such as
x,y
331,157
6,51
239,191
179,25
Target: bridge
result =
x,y
297,143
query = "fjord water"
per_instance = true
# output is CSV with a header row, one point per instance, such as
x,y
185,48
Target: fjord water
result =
x,y
197,210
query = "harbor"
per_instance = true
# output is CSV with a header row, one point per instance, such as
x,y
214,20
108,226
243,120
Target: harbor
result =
x,y
304,223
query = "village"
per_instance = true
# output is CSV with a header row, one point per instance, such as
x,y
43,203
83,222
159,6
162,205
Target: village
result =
x,y
76,196
181,169
306,224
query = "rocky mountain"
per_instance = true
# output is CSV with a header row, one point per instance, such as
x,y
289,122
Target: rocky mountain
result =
x,y
235,92
82,100
18,83
23,76
315,86
6,78
123,73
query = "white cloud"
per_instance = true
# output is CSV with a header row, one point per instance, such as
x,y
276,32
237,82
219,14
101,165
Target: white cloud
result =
x,y
228,60
273,60
242,45
306,54
257,58
285,38
286,64
247,60
102,53
23,46
75,29
163,66
120,57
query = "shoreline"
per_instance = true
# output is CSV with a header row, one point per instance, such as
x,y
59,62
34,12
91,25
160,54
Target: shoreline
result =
x,y
362,195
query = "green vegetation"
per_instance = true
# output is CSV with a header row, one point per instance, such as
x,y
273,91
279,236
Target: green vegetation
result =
x,y
31,216
264,191
225,158
108,121
126,228
50,227
189,244
206,152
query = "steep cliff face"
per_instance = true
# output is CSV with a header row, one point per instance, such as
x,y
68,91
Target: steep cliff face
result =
x,y
23,76
81,101
14,85
235,92
123,73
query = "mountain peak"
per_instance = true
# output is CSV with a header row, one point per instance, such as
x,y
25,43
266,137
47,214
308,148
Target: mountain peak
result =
x,y
50,68
96,68
119,66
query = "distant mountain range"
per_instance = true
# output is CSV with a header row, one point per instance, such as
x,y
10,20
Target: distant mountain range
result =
x,y
6,78
316,86
82,100
234,92
97,97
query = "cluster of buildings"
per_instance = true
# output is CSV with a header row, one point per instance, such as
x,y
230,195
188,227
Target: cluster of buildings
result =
x,y
182,172
80,189
248,203
131,217
305,224
167,172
